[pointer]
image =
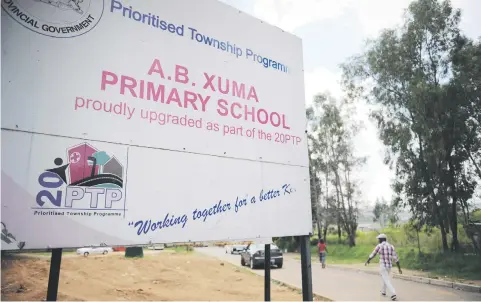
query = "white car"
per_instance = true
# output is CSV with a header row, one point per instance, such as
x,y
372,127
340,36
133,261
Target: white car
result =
x,y
87,250
156,247
235,249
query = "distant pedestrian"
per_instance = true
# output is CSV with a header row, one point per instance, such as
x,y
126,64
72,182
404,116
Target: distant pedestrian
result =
x,y
387,254
322,252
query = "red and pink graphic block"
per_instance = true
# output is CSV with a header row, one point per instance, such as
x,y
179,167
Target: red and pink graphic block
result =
x,y
79,164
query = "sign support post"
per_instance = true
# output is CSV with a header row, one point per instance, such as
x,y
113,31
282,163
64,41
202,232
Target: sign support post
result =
x,y
267,272
54,275
306,269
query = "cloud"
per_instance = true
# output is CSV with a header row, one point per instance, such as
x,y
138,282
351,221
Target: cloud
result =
x,y
375,15
292,14
321,80
289,15
375,176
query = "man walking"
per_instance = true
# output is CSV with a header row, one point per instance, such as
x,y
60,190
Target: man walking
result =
x,y
387,254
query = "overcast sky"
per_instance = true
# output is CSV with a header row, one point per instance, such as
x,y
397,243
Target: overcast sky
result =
x,y
334,30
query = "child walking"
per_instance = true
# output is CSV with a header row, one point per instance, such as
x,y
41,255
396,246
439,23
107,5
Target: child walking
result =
x,y
322,252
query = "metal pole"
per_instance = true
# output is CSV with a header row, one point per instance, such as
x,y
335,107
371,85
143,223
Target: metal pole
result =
x,y
306,269
54,275
267,272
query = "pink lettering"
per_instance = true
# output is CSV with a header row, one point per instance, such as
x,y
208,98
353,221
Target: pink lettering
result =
x,y
209,81
108,78
219,85
79,102
252,94
190,97
251,113
155,94
156,68
284,122
278,117
174,97
266,119
222,110
236,116
203,101
238,91
181,74
128,83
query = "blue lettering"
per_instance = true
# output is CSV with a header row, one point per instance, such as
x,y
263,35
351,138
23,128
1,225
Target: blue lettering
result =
x,y
56,201
212,211
201,214
115,5
239,203
147,225
151,19
143,226
166,223
271,194
145,18
287,189
50,180
207,40
163,25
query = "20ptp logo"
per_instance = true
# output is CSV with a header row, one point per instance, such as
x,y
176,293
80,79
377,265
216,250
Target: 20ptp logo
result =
x,y
90,180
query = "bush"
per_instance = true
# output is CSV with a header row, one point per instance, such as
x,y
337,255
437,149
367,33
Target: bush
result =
x,y
134,252
287,243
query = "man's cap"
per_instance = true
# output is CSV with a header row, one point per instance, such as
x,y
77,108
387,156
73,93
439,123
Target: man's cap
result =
x,y
381,236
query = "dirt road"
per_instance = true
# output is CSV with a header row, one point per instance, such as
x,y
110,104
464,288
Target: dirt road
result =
x,y
341,285
158,276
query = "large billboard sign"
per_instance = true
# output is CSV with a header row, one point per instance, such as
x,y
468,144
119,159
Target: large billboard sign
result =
x,y
129,122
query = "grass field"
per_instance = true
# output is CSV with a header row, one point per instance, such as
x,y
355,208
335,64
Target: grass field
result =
x,y
427,257
436,264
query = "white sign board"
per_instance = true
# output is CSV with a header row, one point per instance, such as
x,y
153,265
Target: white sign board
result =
x,y
126,122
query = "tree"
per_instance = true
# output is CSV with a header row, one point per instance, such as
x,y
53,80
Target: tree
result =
x,y
466,86
385,213
412,229
331,130
315,187
423,110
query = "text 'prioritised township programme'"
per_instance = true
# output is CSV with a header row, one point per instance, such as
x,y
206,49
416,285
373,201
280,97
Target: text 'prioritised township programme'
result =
x,y
153,20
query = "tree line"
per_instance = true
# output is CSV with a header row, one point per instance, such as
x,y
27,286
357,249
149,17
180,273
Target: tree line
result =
x,y
423,83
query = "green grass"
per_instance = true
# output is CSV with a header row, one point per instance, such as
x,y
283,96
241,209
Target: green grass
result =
x,y
342,254
430,259
456,266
